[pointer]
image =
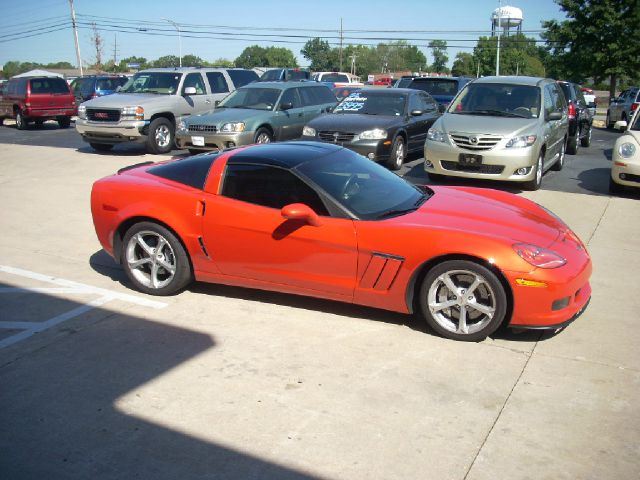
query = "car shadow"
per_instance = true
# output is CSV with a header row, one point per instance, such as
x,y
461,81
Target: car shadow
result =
x,y
86,401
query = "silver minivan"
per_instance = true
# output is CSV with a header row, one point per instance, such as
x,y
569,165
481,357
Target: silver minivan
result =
x,y
500,128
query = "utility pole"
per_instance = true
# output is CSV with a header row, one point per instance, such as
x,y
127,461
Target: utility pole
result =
x,y
75,36
353,64
340,69
177,27
115,49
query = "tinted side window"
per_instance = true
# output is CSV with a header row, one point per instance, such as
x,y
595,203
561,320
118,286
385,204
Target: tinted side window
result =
x,y
22,87
548,100
429,103
242,77
322,94
191,171
217,82
269,187
194,80
290,95
558,99
271,75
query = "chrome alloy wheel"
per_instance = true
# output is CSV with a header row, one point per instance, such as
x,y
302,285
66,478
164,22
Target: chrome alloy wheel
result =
x,y
461,301
399,153
263,138
162,136
151,259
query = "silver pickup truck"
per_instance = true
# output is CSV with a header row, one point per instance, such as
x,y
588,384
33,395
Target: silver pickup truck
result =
x,y
151,104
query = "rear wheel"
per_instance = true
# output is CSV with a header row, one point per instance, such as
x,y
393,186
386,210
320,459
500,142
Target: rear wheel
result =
x,y
396,158
586,140
560,162
160,137
101,147
155,260
21,121
463,300
64,122
572,143
608,121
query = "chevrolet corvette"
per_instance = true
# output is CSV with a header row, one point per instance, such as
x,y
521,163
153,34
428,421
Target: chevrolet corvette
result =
x,y
318,219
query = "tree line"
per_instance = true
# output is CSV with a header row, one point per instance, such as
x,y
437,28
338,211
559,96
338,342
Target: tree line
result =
x,y
598,44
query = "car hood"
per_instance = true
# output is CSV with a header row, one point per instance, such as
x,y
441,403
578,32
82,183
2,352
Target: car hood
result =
x,y
487,213
353,122
484,124
225,115
119,100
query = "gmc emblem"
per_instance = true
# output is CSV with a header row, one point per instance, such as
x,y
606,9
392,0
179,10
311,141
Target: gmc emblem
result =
x,y
101,115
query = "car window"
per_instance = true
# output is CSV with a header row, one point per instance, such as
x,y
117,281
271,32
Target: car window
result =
x,y
165,83
435,86
291,96
252,97
558,99
428,104
269,186
217,82
335,77
194,80
49,85
191,171
240,78
107,83
321,94
21,87
271,75
296,74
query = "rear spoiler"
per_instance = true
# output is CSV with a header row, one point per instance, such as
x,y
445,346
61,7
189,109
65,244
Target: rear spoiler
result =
x,y
131,167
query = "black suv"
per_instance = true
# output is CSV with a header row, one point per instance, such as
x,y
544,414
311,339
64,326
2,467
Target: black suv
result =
x,y
92,86
580,118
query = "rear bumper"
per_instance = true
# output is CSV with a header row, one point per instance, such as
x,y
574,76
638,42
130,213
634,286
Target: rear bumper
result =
x,y
50,112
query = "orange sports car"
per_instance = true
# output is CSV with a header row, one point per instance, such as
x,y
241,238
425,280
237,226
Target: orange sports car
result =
x,y
320,220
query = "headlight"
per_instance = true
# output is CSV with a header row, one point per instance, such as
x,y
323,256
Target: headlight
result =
x,y
521,142
308,132
233,127
82,112
436,135
136,112
376,134
182,127
538,256
627,150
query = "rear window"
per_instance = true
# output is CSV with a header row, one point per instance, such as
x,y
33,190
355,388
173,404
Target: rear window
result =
x,y
271,75
297,75
191,171
49,85
108,83
242,77
335,77
436,86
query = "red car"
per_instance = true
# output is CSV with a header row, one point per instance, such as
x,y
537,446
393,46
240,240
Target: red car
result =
x,y
320,220
387,81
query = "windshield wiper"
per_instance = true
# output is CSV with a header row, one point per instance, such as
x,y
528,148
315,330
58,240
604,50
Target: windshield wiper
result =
x,y
496,113
394,212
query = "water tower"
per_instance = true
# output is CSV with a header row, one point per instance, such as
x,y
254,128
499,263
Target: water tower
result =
x,y
506,19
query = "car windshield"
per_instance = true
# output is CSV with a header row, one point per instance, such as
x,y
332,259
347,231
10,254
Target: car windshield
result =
x,y
256,98
363,187
153,82
497,99
369,103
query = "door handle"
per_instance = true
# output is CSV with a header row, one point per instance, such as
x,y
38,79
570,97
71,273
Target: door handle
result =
x,y
207,101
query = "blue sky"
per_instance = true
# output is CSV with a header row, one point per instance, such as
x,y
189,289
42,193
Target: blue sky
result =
x,y
259,20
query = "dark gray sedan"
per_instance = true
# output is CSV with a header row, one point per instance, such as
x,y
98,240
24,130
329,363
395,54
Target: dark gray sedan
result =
x,y
381,124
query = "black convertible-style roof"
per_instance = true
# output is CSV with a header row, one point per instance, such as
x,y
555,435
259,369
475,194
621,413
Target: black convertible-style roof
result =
x,y
285,154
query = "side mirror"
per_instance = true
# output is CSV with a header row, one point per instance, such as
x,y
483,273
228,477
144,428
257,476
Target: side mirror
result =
x,y
300,211
190,91
621,125
554,116
216,103
416,113
286,106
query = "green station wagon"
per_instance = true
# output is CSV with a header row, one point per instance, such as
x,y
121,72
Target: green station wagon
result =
x,y
256,113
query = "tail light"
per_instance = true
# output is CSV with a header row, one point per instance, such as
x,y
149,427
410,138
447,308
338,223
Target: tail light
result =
x,y
94,95
572,110
634,106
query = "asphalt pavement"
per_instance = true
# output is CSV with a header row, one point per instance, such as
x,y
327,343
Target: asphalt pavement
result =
x,y
99,381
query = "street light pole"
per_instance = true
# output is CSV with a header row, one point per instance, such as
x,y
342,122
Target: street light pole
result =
x,y
177,27
75,36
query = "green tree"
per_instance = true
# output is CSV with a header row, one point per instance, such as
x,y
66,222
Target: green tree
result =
x,y
253,56
223,62
440,57
518,56
600,38
192,61
464,65
321,55
122,66
166,61
280,57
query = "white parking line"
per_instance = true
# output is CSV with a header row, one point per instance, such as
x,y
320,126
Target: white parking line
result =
x,y
62,287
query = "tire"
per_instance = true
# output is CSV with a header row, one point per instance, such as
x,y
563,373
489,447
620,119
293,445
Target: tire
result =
x,y
572,144
21,121
483,308
154,259
614,187
161,136
101,147
608,122
560,162
263,136
536,182
586,140
64,122
398,153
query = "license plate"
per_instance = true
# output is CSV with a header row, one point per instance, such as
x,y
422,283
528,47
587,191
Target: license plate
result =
x,y
197,141
470,159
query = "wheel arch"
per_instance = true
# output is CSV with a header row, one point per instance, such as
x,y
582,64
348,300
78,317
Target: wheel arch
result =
x,y
268,127
120,232
413,287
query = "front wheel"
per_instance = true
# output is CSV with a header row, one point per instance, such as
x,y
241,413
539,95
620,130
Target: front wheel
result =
x,y
161,135
536,182
396,158
21,121
263,136
462,300
155,260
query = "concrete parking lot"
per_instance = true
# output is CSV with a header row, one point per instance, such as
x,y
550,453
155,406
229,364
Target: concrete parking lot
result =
x,y
99,381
